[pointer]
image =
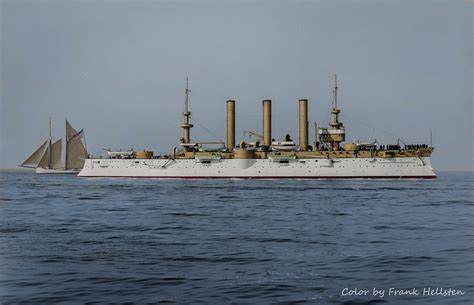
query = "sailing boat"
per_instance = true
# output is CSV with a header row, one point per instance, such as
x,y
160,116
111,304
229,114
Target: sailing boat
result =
x,y
47,158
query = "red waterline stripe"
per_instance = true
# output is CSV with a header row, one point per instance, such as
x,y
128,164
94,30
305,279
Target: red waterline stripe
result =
x,y
268,177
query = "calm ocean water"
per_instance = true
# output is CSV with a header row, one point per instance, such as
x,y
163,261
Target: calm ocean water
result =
x,y
70,240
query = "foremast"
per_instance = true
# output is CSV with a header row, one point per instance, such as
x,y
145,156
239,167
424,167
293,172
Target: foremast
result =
x,y
47,155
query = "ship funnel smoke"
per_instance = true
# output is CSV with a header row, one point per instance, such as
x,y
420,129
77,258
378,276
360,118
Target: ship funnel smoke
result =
x,y
267,122
303,105
230,124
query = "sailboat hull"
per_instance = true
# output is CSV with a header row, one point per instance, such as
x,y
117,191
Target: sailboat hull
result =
x,y
41,170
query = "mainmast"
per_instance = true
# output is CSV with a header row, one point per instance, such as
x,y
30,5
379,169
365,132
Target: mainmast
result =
x,y
67,140
50,139
186,114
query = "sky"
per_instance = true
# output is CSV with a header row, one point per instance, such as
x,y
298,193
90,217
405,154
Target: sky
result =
x,y
118,70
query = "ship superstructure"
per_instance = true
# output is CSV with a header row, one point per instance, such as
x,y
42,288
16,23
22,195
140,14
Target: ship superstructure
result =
x,y
266,158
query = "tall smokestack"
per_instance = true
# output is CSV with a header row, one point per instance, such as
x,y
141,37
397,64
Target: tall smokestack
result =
x,y
303,124
230,124
267,122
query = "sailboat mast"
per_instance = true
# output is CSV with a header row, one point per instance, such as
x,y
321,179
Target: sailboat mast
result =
x,y
67,140
49,144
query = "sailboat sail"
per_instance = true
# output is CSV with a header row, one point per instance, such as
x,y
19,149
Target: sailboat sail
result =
x,y
52,156
56,150
70,131
36,157
44,162
48,156
75,150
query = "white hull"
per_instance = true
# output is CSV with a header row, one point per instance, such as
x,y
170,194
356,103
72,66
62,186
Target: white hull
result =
x,y
41,170
407,167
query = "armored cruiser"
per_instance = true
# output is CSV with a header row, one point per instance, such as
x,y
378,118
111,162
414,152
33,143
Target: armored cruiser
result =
x,y
266,158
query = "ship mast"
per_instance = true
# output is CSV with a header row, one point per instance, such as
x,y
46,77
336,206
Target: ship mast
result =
x,y
336,133
335,111
186,114
67,140
49,144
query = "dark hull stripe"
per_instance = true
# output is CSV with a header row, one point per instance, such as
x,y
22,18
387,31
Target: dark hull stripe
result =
x,y
269,177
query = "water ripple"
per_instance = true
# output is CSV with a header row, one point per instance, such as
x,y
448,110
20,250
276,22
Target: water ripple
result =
x,y
67,240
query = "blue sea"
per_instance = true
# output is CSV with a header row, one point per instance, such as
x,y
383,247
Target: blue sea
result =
x,y
70,240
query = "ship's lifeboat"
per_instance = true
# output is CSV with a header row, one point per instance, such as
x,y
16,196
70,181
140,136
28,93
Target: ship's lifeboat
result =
x,y
284,146
126,154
